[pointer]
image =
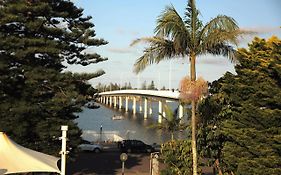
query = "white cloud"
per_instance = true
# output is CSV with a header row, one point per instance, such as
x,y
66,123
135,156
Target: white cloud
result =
x,y
125,50
263,29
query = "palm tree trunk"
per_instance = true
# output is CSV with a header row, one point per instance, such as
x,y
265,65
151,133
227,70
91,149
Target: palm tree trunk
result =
x,y
193,117
217,165
192,67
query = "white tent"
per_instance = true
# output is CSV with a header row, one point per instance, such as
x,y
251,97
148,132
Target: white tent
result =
x,y
18,159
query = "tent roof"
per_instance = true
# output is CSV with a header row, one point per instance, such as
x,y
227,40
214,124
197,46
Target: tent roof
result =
x,y
18,159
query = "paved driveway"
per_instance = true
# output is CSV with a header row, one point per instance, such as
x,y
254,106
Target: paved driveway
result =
x,y
108,163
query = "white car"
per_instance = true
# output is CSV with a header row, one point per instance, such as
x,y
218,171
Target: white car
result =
x,y
89,146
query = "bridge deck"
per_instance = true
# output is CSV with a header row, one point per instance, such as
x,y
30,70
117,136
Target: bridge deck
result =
x,y
148,93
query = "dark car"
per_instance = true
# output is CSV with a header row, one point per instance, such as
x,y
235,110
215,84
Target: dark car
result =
x,y
135,146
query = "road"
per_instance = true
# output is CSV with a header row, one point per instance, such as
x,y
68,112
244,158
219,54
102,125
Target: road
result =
x,y
108,163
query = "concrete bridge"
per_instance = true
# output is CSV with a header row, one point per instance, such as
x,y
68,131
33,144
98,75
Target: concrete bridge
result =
x,y
143,97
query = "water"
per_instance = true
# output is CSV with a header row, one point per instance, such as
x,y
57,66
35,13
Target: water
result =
x,y
131,127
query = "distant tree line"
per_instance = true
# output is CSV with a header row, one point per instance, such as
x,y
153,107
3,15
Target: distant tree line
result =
x,y
115,86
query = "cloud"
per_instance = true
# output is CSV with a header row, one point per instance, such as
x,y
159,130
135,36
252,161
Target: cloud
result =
x,y
259,31
213,60
124,50
262,29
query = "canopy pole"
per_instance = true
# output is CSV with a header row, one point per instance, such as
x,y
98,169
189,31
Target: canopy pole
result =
x,y
63,149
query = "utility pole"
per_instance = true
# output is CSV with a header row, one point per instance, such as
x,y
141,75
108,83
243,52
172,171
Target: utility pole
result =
x,y
170,76
63,149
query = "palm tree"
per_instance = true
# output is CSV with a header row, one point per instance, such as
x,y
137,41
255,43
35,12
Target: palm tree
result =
x,y
171,122
188,37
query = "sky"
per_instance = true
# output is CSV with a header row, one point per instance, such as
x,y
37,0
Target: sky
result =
x,y
122,21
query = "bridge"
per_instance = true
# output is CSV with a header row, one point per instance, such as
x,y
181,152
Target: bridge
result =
x,y
143,97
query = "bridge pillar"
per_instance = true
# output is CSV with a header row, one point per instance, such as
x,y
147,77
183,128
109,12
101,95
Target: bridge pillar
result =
x,y
164,113
120,102
110,101
134,105
150,107
145,109
126,104
180,111
140,105
106,101
115,101
160,110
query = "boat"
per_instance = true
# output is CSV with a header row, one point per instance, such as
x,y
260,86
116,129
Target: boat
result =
x,y
117,117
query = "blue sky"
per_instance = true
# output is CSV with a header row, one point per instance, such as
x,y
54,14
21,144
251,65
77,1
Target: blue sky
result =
x,y
122,21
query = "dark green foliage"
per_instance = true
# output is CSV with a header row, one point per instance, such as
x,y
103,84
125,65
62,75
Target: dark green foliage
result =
x,y
177,157
37,96
241,118
151,86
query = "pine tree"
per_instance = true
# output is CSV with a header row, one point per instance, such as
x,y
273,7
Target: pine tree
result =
x,y
143,86
151,86
129,86
37,96
242,127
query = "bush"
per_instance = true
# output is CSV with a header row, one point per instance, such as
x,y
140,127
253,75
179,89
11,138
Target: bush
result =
x,y
177,156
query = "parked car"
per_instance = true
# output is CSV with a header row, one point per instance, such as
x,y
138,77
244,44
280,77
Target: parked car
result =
x,y
135,146
89,146
156,147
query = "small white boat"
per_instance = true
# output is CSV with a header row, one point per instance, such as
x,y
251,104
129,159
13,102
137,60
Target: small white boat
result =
x,y
117,117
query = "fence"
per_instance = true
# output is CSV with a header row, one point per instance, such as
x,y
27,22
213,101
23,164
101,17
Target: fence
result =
x,y
103,136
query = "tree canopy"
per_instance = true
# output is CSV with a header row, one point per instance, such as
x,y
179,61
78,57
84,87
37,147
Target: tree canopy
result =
x,y
176,155
38,38
241,121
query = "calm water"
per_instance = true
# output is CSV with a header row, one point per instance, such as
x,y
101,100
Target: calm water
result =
x,y
132,127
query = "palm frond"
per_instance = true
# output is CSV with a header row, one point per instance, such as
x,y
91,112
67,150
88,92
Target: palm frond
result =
x,y
224,50
159,49
146,40
142,62
219,36
192,21
222,29
157,126
224,39
171,25
193,24
221,23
